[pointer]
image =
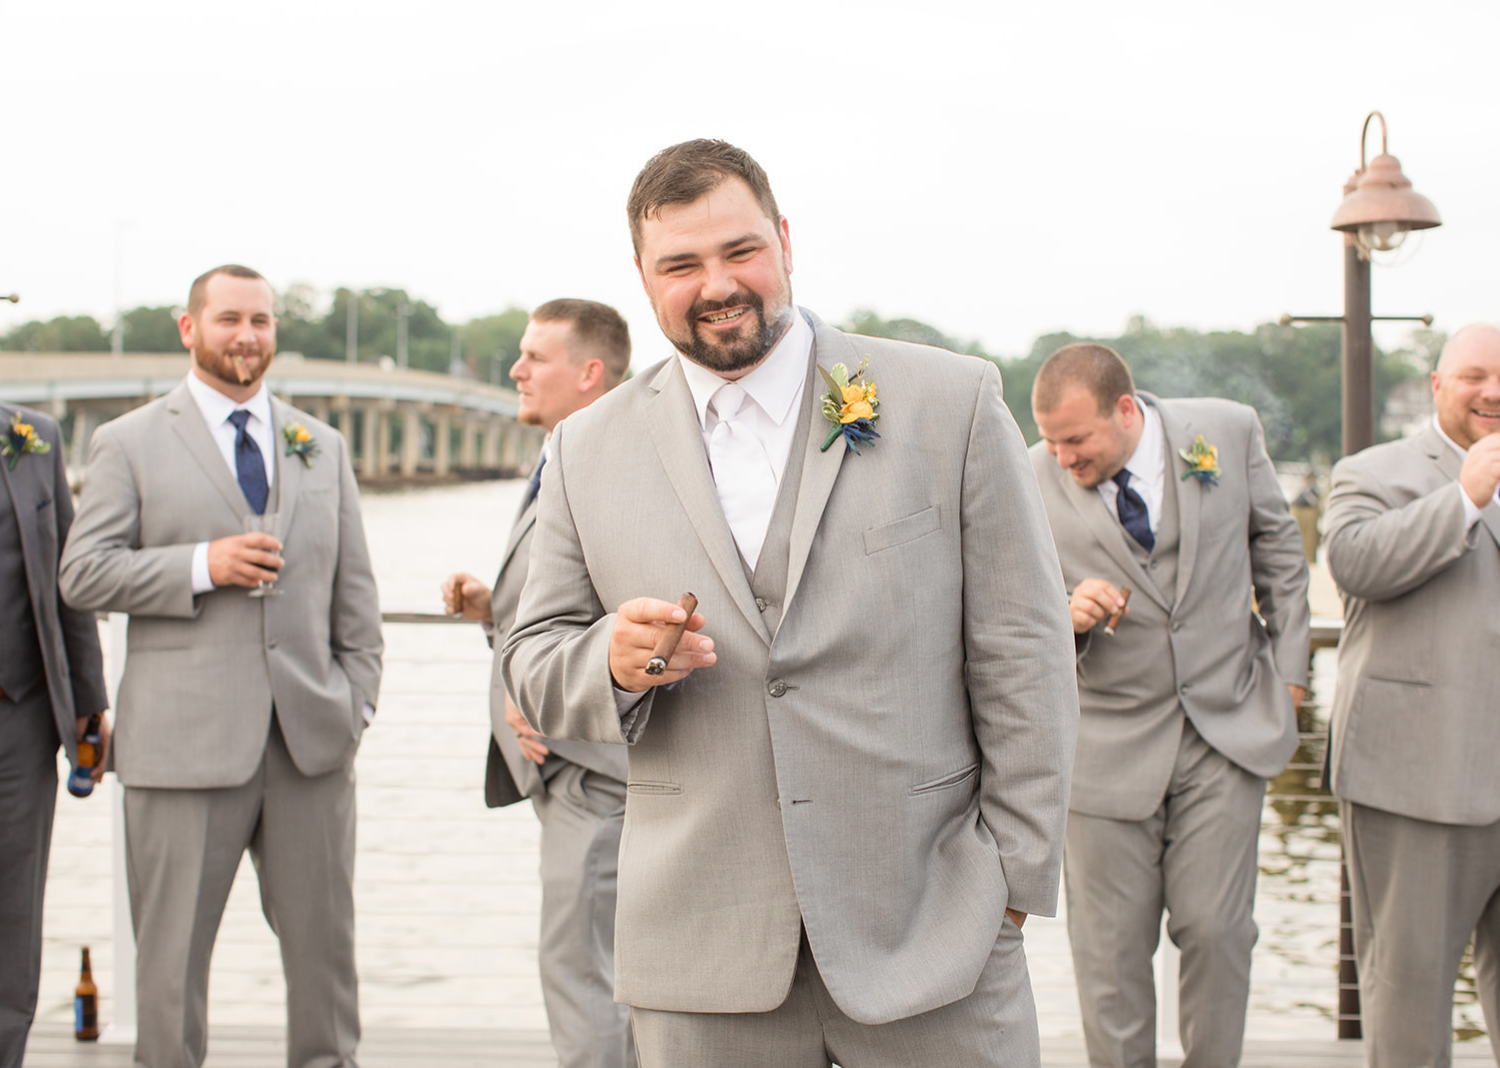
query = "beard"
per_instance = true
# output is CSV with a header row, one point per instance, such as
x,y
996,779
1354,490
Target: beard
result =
x,y
742,352
218,364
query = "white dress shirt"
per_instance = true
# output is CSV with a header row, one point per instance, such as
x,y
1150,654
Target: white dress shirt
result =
x,y
1471,510
216,410
1147,466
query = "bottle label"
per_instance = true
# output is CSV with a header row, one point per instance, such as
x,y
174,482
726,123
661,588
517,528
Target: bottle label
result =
x,y
85,1013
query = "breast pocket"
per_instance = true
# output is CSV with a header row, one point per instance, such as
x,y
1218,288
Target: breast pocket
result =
x,y
906,529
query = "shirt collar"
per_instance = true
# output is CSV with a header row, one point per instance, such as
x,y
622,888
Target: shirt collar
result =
x,y
216,408
774,386
1147,455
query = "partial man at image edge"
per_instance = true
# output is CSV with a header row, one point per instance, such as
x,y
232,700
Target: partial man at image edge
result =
x,y
1188,707
1412,536
51,683
848,786
572,353
239,715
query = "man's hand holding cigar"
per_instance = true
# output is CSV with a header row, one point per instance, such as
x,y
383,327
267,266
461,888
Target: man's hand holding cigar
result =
x,y
639,626
1096,601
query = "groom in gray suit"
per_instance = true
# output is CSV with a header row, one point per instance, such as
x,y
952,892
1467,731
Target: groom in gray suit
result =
x,y
51,682
239,717
1413,536
573,352
847,786
1188,705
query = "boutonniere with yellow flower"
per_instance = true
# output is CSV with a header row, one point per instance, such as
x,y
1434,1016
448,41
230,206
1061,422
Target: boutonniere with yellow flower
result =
x,y
1203,462
18,439
850,406
300,443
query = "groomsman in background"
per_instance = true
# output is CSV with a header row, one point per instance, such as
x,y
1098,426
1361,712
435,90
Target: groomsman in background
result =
x,y
573,352
51,682
240,715
1413,541
1189,700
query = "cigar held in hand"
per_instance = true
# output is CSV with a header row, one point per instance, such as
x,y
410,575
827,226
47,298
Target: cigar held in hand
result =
x,y
1114,620
666,645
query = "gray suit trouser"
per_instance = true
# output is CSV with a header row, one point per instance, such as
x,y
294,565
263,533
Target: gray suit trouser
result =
x,y
582,814
994,1027
1418,891
184,847
28,801
1195,856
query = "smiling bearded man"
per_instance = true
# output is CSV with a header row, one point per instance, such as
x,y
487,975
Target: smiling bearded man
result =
x,y
847,788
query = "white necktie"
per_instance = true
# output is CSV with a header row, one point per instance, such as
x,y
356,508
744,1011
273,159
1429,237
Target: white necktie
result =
x,y
742,472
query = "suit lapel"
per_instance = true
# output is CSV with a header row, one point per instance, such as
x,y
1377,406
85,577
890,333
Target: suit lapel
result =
x,y
288,471
673,422
1450,466
26,492
1108,532
1179,435
186,421
524,522
819,469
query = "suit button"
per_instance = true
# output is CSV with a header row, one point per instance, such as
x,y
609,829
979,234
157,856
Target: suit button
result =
x,y
271,644
1152,565
1176,627
761,603
777,688
1183,689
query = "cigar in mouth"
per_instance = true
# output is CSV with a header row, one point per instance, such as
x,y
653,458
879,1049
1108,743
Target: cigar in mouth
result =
x,y
1114,620
240,369
666,645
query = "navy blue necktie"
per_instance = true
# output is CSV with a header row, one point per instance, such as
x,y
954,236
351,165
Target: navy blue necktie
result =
x,y
1132,511
249,464
536,481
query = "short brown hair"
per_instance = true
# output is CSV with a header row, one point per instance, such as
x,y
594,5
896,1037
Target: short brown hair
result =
x,y
598,331
1097,368
198,291
683,173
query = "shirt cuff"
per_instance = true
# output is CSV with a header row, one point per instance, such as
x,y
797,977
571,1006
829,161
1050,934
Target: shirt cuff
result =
x,y
202,583
627,704
1471,511
368,711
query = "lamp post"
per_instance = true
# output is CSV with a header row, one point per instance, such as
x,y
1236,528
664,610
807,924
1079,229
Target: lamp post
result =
x,y
1378,210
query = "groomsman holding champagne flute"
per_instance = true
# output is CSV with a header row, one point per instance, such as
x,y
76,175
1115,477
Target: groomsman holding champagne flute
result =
x,y
238,718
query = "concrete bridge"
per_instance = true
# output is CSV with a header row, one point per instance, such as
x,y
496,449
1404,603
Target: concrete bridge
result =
x,y
399,423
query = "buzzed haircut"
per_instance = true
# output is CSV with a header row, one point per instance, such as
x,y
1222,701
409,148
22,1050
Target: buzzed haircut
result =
x,y
683,173
198,292
598,331
1097,368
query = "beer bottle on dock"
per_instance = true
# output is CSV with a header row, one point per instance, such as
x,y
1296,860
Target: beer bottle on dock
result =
x,y
81,782
86,1004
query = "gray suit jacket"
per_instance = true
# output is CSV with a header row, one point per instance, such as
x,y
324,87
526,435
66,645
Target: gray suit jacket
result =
x,y
890,767
1208,652
203,672
1414,724
509,776
43,503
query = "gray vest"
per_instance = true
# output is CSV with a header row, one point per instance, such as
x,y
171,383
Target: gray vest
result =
x,y
1161,562
21,663
768,580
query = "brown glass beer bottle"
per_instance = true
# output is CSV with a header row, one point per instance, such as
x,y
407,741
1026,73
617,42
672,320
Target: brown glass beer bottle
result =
x,y
86,1004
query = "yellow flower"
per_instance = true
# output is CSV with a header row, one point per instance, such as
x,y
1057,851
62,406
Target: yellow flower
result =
x,y
302,434
858,409
26,430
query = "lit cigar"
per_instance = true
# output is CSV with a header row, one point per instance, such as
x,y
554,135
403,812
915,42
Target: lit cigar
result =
x,y
1114,620
666,645
240,369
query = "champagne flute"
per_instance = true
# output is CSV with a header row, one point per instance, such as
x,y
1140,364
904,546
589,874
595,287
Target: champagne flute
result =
x,y
269,523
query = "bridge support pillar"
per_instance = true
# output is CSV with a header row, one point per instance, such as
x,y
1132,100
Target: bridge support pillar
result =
x,y
83,430
490,452
468,453
319,410
411,439
442,444
368,446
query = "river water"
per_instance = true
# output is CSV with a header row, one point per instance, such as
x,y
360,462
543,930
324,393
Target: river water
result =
x,y
447,894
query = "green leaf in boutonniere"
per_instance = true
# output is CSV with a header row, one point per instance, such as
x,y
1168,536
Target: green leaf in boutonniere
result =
x,y
850,406
18,439
299,443
1203,462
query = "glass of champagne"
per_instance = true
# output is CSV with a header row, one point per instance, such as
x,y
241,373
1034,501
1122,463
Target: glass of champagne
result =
x,y
269,523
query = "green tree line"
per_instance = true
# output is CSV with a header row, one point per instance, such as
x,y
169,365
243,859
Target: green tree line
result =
x,y
1290,375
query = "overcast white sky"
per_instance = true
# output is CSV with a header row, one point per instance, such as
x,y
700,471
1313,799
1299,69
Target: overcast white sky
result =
x,y
998,169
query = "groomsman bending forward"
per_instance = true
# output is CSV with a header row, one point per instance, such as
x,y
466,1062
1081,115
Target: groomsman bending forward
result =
x,y
848,785
1188,708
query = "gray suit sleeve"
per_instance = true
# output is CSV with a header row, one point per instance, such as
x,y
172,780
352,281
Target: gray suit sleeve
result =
x,y
1378,550
80,630
1278,564
103,567
354,636
1019,650
556,659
